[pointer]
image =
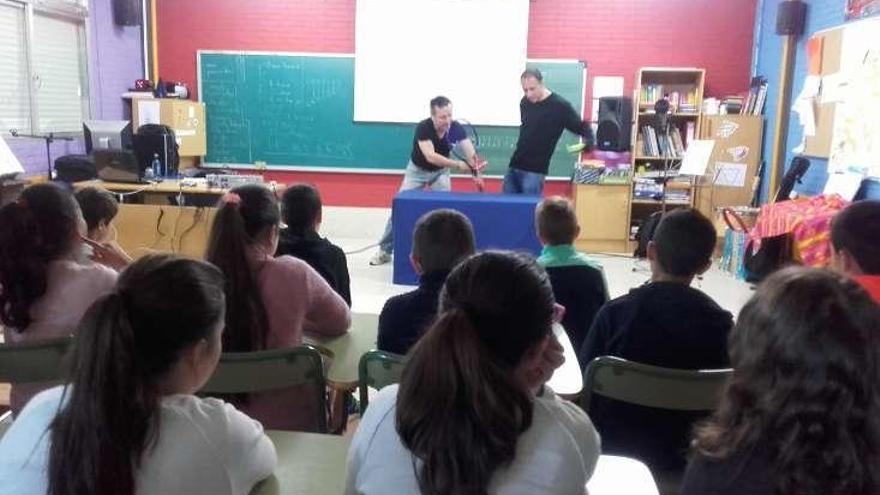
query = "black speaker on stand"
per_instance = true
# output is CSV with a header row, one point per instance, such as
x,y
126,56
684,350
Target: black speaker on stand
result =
x,y
128,12
615,123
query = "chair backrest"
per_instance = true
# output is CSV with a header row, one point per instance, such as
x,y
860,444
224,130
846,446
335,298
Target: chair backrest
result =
x,y
377,369
273,369
39,361
5,422
653,386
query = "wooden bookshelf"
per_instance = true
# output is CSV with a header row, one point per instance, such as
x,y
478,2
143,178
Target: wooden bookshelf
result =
x,y
683,88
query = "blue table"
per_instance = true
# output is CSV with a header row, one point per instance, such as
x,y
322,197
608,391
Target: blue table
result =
x,y
500,222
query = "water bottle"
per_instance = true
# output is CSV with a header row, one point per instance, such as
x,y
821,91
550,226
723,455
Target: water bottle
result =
x,y
156,165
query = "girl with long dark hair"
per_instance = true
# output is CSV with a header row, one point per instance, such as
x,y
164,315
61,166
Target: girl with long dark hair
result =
x,y
801,414
471,414
128,422
271,302
46,282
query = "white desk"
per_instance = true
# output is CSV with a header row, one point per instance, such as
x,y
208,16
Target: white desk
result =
x,y
616,475
567,380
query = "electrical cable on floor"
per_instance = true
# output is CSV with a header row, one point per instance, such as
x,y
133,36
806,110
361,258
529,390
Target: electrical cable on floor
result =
x,y
361,250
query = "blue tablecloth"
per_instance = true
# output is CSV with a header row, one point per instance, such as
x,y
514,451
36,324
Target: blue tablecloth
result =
x,y
500,222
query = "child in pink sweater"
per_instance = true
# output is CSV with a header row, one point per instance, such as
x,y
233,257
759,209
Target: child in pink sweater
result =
x,y
46,283
270,302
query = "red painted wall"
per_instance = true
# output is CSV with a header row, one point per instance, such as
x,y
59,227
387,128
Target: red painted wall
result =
x,y
615,37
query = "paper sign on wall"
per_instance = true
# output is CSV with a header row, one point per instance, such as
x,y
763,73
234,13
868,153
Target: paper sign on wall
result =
x,y
149,112
730,174
805,102
605,86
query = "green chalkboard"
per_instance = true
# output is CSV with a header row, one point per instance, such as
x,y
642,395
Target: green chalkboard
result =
x,y
297,111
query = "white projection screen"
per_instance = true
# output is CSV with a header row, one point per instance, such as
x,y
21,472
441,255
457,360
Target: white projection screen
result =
x,y
409,51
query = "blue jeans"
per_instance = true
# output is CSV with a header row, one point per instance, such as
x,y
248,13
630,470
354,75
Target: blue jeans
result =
x,y
415,178
518,181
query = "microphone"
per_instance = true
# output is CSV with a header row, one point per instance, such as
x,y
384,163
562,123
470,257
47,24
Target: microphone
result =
x,y
661,121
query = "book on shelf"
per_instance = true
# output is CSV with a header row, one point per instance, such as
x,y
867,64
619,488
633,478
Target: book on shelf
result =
x,y
757,97
679,101
690,133
670,145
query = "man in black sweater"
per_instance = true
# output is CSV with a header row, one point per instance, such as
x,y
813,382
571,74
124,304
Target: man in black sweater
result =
x,y
663,323
543,115
441,239
301,210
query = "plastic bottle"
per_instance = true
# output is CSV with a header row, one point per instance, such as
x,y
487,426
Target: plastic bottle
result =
x,y
156,165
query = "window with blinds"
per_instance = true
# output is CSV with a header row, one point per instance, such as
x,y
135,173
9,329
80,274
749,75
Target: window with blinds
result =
x,y
45,88
15,107
59,73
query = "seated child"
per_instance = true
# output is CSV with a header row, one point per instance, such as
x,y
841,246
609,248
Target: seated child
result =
x,y
799,415
301,211
855,243
128,422
99,208
578,281
441,239
472,414
662,323
270,302
46,281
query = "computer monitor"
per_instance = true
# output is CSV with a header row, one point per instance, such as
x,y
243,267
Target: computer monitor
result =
x,y
107,135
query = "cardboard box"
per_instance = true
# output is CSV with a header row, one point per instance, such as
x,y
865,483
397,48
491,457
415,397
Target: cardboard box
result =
x,y
187,118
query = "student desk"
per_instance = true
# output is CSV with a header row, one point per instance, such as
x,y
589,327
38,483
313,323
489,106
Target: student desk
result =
x,y
311,463
154,192
347,350
154,224
500,222
308,463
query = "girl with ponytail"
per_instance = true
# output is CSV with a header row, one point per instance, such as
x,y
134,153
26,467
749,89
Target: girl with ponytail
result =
x,y
128,422
471,414
46,283
271,302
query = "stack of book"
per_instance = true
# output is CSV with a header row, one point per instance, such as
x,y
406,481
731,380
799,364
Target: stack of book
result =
x,y
754,102
732,105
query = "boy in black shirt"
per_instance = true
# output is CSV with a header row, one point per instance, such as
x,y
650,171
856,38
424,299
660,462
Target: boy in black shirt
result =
x,y
663,323
441,239
543,114
301,211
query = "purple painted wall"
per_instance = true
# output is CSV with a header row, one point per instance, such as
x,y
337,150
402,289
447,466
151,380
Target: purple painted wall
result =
x,y
115,61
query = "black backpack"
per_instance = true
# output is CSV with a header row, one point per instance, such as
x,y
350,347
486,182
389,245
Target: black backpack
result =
x,y
646,233
157,140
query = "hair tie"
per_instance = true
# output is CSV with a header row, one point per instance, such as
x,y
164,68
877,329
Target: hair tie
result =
x,y
231,198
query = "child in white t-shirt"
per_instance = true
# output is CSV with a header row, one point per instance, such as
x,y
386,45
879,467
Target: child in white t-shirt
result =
x,y
472,414
128,421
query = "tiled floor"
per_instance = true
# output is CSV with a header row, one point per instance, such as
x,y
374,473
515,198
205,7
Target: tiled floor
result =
x,y
353,229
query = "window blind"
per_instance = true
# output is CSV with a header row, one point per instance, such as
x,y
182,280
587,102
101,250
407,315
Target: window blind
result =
x,y
14,95
60,75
